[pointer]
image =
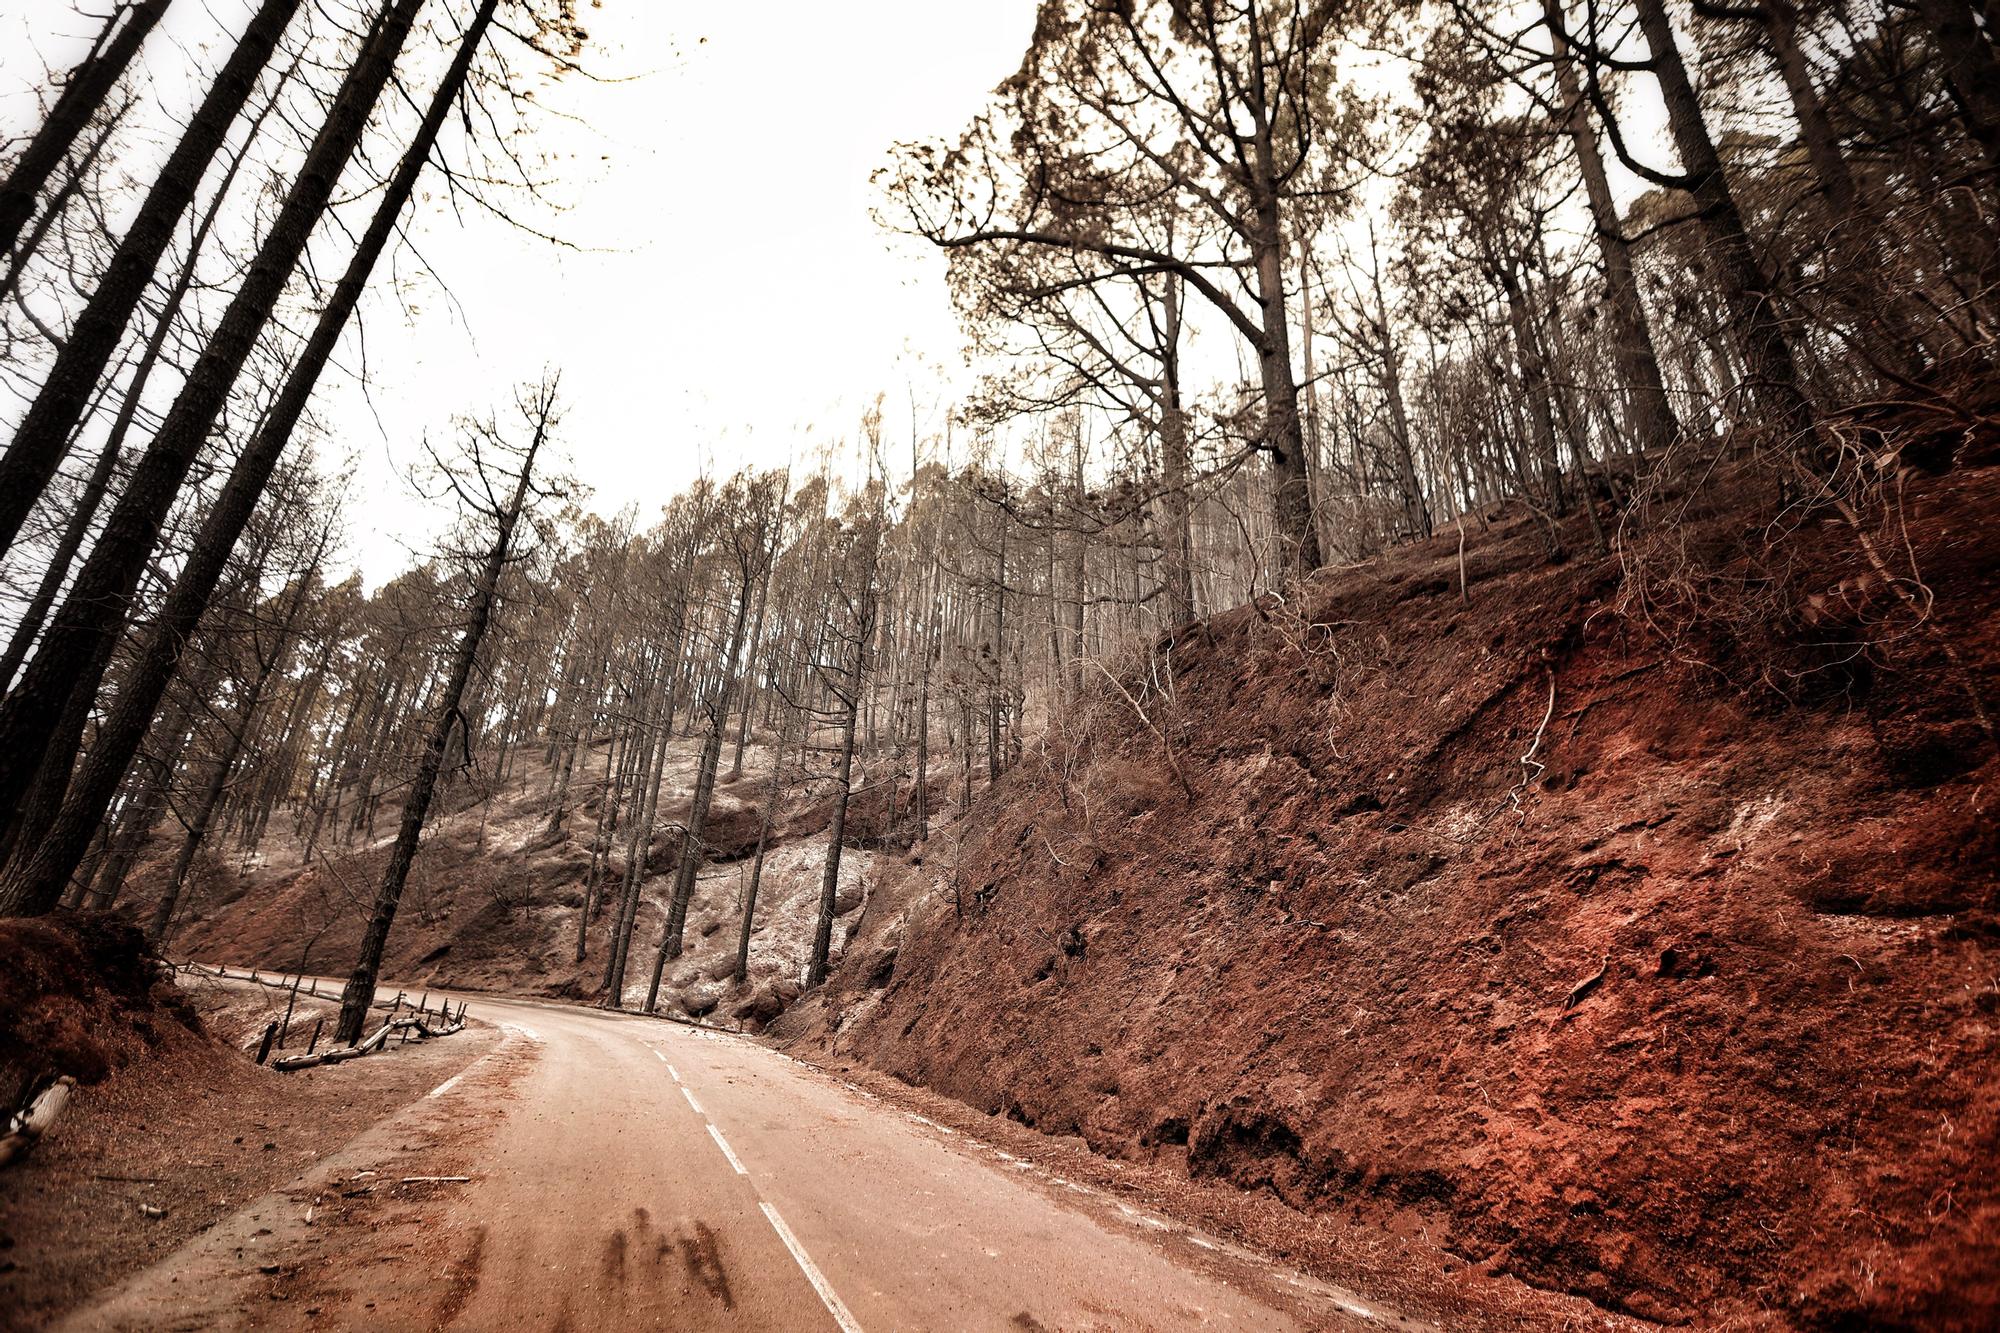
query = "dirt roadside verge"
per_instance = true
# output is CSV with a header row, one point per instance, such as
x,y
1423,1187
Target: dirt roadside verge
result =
x,y
360,1239
167,1146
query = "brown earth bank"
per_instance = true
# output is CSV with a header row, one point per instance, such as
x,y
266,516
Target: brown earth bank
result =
x,y
1647,958
174,1127
80,995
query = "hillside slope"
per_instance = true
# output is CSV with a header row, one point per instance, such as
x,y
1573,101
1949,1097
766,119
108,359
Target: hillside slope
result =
x,y
493,900
1517,922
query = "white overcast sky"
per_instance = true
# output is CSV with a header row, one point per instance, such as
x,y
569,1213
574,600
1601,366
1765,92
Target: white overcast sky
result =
x,y
734,300
731,299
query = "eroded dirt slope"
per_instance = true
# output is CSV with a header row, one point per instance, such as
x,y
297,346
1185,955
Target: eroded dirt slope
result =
x,y
1692,1011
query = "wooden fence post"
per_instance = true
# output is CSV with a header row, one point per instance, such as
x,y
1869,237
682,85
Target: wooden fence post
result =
x,y
284,1029
264,1050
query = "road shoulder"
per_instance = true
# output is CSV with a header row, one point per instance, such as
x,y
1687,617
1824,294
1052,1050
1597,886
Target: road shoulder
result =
x,y
169,1150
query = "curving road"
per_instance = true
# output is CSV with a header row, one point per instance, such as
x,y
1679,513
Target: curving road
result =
x,y
630,1173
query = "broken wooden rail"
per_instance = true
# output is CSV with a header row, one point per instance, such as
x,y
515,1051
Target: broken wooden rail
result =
x,y
368,1045
423,1024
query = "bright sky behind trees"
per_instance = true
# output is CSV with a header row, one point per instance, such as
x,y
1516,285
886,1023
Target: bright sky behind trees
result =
x,y
730,298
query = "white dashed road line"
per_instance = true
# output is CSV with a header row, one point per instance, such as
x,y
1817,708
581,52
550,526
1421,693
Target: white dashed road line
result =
x,y
841,1315
727,1151
811,1270
446,1086
827,1295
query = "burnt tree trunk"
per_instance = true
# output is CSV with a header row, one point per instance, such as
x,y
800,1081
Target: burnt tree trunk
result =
x,y
44,433
1771,368
1284,438
771,793
1644,388
225,763
83,93
843,779
99,483
704,794
359,993
122,732
95,610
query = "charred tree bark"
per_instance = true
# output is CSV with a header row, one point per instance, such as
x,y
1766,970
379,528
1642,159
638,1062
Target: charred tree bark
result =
x,y
1284,438
360,990
44,433
96,608
83,95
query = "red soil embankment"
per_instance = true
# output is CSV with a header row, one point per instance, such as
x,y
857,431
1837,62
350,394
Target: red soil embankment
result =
x,y
1510,921
80,994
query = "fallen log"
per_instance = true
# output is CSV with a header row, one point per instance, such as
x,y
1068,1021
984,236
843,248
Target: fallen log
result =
x,y
373,1042
335,1055
27,1127
285,1064
425,1030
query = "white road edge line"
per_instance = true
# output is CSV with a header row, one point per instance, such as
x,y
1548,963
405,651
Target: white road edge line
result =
x,y
688,1093
813,1275
446,1086
670,1069
727,1151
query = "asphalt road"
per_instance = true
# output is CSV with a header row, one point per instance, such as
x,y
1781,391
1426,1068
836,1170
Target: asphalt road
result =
x,y
647,1174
